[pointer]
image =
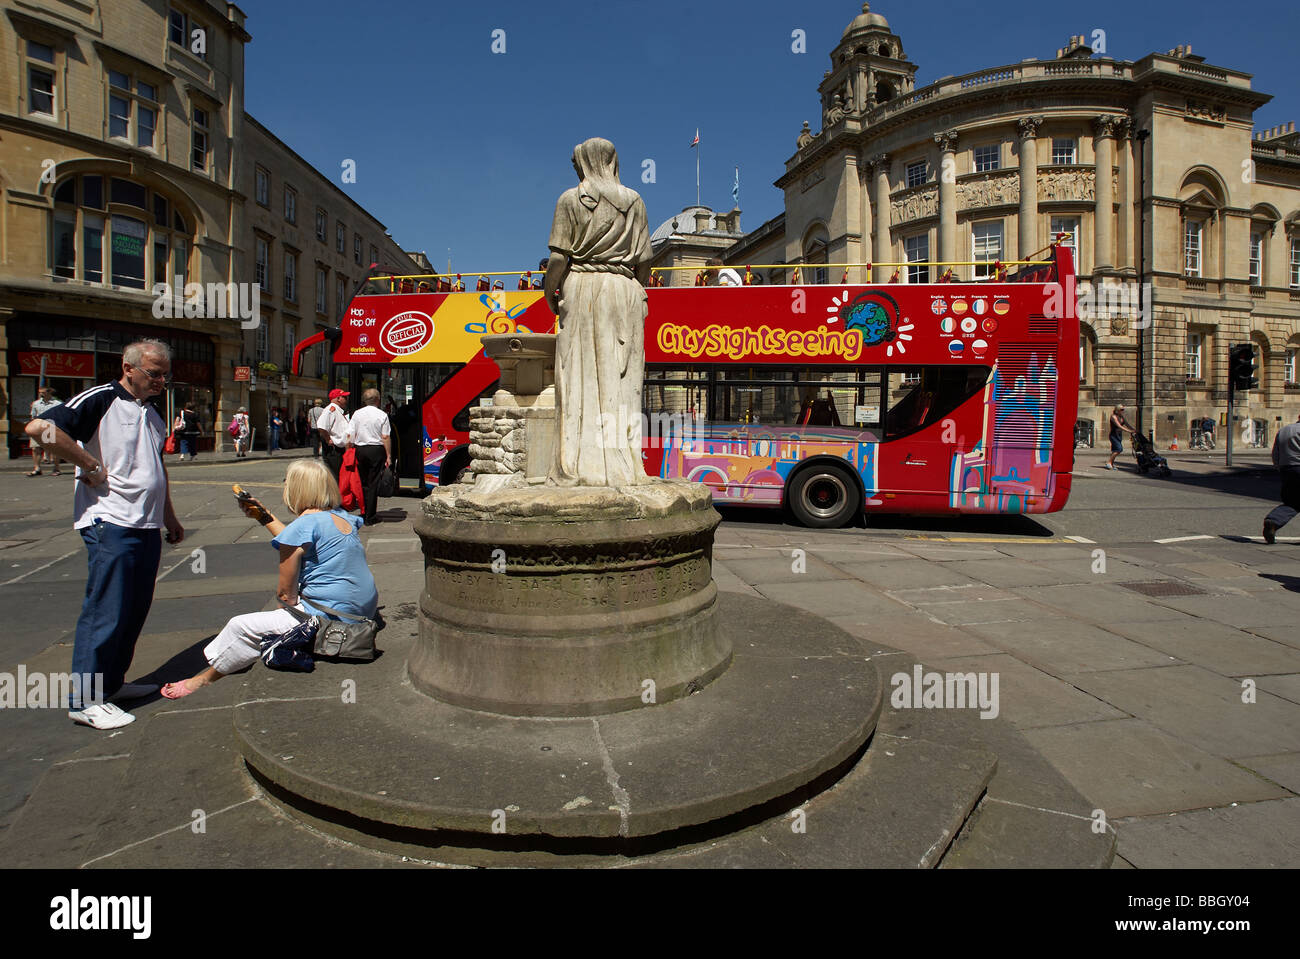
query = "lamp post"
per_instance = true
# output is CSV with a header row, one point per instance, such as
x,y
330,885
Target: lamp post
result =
x,y
1142,137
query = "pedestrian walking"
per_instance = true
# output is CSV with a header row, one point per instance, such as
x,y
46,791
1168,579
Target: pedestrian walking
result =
x,y
1118,427
313,418
371,437
115,436
245,433
45,401
333,429
300,427
322,562
1286,457
187,431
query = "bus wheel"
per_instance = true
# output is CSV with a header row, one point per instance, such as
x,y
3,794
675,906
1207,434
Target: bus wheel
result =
x,y
824,496
454,468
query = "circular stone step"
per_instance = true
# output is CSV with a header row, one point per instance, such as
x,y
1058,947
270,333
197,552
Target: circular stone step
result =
x,y
373,756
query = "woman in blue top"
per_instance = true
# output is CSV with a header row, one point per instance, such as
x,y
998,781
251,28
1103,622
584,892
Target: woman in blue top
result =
x,y
321,560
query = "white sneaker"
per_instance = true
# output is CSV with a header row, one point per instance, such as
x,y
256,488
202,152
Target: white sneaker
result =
x,y
101,716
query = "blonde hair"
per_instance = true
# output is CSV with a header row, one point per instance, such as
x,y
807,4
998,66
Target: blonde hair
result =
x,y
310,485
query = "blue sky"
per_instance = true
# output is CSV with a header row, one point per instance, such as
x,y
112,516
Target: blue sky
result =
x,y
462,148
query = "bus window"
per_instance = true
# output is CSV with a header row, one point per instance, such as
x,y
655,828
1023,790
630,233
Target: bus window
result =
x,y
461,420
921,395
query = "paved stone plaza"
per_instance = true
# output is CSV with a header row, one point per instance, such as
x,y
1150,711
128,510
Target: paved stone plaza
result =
x,y
1135,695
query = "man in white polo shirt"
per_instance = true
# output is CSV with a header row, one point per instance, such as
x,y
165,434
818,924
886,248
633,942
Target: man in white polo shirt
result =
x,y
333,428
371,438
115,437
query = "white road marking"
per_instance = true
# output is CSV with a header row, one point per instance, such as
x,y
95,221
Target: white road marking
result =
x,y
1080,539
1182,539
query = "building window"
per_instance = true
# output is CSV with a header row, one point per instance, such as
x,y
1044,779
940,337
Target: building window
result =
x,y
322,225
262,346
40,79
340,294
1290,367
322,357
917,173
291,276
262,188
290,341
356,247
132,102
1065,150
181,29
988,158
986,239
290,204
199,140
261,257
341,238
322,284
1257,259
1295,262
1087,359
1069,225
1195,348
917,251
1192,248
135,252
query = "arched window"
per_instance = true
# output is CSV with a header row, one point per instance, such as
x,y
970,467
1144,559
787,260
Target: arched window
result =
x,y
884,50
884,91
1201,197
815,244
1289,369
112,230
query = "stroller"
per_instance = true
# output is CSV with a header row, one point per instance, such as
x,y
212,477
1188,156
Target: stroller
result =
x,y
1148,460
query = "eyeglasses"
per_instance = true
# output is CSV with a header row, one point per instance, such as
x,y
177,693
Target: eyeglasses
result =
x,y
164,375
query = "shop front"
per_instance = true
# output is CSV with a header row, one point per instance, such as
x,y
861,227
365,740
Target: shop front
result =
x,y
71,354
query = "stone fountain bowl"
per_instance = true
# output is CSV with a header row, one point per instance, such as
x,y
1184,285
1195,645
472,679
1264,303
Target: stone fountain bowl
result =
x,y
519,346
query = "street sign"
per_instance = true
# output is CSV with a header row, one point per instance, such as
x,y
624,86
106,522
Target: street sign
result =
x,y
242,374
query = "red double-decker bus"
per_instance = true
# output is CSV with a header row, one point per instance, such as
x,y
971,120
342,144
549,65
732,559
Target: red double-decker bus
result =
x,y
834,400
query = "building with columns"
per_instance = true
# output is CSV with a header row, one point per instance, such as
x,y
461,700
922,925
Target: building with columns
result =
x,y
1150,167
127,160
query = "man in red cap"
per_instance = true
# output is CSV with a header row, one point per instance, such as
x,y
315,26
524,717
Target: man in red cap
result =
x,y
334,430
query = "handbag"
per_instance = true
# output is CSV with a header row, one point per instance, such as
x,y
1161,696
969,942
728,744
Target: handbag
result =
x,y
388,482
233,429
291,651
172,445
340,639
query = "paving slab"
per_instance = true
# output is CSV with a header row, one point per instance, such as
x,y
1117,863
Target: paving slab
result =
x,y
1128,767
994,609
1284,687
835,598
1102,604
1201,707
1283,769
1287,635
1216,646
1000,835
938,552
917,635
1016,572
1249,835
1232,610
779,567
729,582
894,574
1029,697
1066,646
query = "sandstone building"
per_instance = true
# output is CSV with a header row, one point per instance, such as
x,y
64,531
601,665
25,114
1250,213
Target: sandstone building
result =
x,y
1155,157
127,160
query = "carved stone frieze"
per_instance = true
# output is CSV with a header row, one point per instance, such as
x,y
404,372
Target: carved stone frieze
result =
x,y
914,206
1067,185
989,190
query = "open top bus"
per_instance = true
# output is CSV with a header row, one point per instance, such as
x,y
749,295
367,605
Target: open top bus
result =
x,y
833,400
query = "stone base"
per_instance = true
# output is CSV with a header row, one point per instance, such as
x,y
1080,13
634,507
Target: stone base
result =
x,y
551,601
397,770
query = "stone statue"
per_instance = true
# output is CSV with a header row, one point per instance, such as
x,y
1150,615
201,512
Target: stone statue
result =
x,y
600,259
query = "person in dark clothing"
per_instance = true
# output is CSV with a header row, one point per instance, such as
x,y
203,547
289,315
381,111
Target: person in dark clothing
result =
x,y
1286,457
1118,427
189,433
371,438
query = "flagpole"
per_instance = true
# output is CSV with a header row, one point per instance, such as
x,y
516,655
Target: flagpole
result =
x,y
697,171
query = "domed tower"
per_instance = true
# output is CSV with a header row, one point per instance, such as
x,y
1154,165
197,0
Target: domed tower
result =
x,y
868,68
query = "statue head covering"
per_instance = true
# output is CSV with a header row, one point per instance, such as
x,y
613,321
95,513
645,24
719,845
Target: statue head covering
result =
x,y
596,162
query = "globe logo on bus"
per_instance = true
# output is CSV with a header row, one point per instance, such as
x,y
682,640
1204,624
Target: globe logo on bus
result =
x,y
875,314
406,333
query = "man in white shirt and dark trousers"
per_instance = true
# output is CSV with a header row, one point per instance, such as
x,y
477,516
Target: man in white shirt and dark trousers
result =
x,y
313,420
115,437
1286,457
333,429
372,441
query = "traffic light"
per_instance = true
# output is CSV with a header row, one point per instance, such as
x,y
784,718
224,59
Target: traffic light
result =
x,y
1241,367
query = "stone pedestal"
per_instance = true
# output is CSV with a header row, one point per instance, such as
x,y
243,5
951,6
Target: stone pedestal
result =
x,y
546,601
512,441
